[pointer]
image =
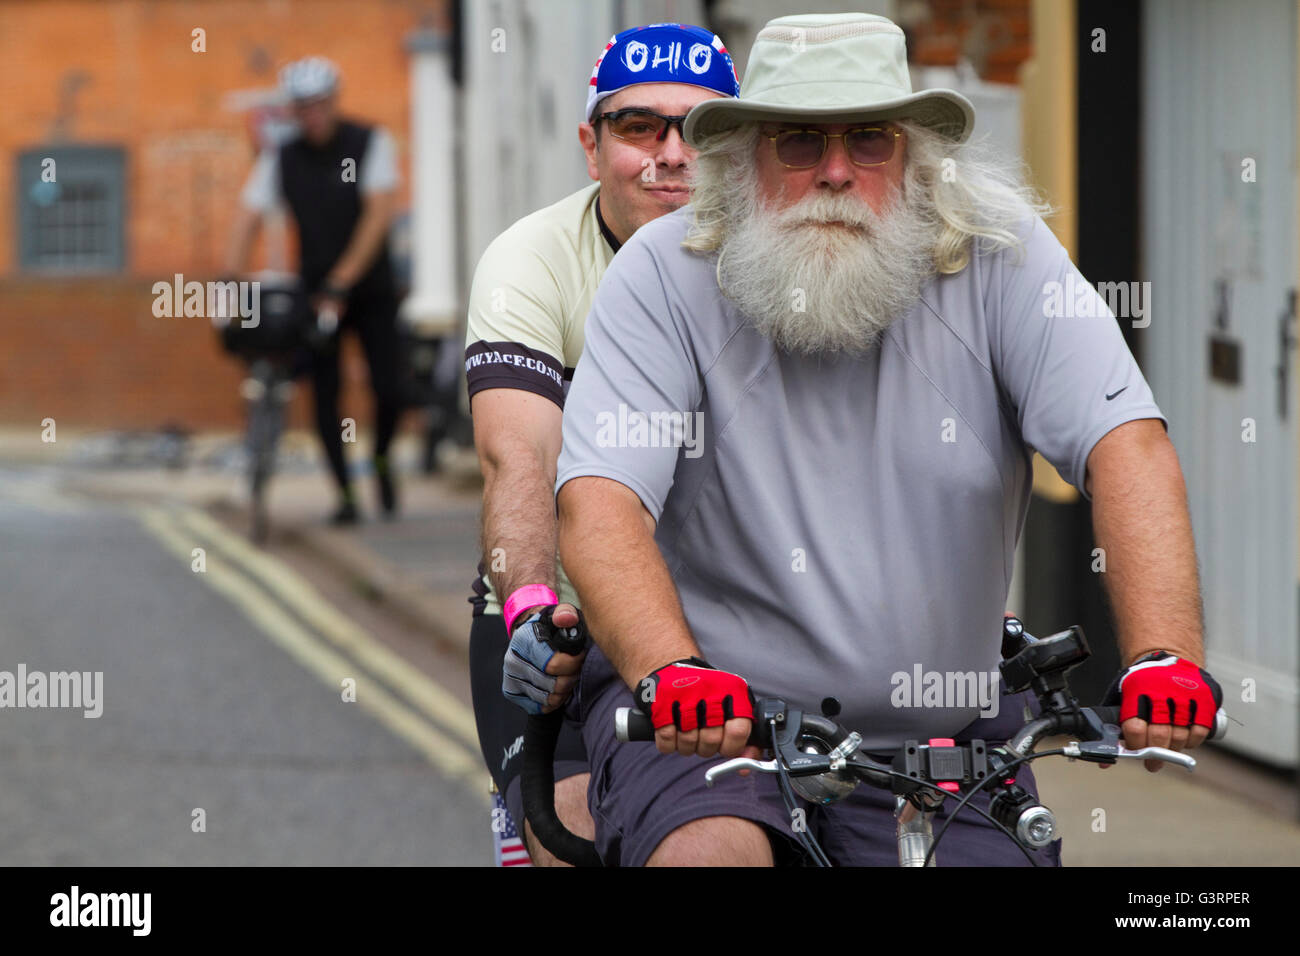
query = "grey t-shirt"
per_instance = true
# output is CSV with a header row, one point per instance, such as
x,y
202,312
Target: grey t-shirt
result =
x,y
841,526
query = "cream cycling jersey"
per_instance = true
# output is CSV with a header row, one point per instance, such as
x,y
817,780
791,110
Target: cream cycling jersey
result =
x,y
528,305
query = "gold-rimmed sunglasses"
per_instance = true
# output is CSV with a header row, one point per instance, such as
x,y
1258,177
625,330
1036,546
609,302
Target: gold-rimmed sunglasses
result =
x,y
866,145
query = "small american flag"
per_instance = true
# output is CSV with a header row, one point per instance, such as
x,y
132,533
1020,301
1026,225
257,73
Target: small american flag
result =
x,y
509,848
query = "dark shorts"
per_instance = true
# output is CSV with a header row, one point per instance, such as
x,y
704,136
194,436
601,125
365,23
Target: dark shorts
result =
x,y
638,796
501,724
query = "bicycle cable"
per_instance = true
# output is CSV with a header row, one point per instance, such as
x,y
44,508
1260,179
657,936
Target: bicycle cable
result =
x,y
804,836
976,789
814,849
980,810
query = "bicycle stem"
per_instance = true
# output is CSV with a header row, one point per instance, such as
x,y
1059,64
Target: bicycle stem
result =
x,y
915,833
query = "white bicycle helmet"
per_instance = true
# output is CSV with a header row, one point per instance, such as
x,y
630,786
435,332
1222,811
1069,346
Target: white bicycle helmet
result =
x,y
309,78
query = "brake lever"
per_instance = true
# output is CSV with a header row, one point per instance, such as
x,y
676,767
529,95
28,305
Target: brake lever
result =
x,y
735,765
1106,751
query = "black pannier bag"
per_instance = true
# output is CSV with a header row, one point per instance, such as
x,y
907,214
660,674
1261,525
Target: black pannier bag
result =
x,y
283,318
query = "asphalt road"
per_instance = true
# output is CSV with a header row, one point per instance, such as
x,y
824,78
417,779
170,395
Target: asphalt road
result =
x,y
225,738
222,692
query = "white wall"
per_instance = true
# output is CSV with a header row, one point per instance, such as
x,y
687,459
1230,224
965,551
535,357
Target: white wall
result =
x,y
527,66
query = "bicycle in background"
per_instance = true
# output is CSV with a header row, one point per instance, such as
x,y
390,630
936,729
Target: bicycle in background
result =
x,y
278,349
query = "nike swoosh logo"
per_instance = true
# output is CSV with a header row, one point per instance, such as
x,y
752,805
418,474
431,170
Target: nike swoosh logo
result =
x,y
1113,394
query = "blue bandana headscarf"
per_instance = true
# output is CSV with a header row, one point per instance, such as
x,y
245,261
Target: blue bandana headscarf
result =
x,y
662,53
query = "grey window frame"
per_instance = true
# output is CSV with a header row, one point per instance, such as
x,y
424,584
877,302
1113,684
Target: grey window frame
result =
x,y
99,165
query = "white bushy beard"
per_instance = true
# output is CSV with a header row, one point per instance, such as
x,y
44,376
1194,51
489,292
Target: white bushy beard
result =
x,y
852,283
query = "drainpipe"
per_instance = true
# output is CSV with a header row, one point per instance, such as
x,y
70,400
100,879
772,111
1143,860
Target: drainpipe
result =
x,y
431,308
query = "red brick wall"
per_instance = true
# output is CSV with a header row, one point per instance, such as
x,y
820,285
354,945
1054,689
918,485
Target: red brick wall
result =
x,y
995,34
89,351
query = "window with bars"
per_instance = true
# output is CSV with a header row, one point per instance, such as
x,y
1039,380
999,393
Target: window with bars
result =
x,y
70,202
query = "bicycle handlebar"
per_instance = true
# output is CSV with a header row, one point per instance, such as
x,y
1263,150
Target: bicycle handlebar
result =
x,y
821,760
631,724
537,780
538,790
1110,715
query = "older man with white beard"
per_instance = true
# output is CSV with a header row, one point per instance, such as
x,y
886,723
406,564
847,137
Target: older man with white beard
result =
x,y
854,302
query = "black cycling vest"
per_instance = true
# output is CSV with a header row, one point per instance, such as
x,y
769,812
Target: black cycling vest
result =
x,y
327,206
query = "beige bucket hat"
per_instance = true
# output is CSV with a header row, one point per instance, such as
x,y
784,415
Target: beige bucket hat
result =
x,y
831,68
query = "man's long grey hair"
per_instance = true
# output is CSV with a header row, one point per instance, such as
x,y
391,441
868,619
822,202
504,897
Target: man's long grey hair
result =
x,y
979,197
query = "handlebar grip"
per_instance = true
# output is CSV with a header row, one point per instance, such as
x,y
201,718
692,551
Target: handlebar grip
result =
x,y
630,724
1110,715
559,637
565,644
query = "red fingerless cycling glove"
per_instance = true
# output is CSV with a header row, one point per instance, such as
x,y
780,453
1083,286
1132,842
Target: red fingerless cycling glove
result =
x,y
1163,689
690,693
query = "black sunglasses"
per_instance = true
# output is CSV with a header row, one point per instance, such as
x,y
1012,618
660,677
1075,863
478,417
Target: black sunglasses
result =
x,y
641,127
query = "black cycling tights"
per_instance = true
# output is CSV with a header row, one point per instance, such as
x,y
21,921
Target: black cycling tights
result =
x,y
377,327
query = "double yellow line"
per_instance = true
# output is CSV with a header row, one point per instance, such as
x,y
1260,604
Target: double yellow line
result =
x,y
331,646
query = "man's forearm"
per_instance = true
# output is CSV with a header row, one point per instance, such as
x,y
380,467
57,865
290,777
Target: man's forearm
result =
x,y
1141,521
518,528
242,234
363,246
609,553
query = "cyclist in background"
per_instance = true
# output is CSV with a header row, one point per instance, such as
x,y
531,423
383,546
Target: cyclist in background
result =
x,y
529,301
339,180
